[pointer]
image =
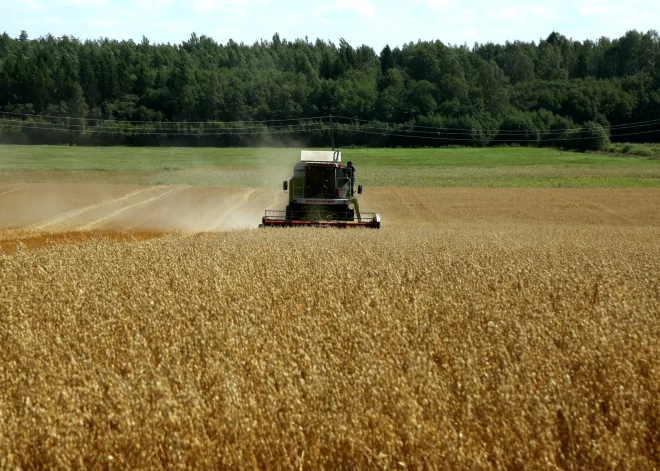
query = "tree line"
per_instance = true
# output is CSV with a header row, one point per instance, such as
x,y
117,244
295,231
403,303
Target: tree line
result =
x,y
559,92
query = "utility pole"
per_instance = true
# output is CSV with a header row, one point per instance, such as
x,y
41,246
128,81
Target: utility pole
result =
x,y
332,133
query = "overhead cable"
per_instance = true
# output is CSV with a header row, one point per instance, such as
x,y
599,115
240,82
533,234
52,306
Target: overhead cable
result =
x,y
165,122
237,124
440,128
19,125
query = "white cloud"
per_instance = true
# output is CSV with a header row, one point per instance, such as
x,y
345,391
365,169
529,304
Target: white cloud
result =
x,y
323,9
225,31
440,4
82,3
521,22
462,19
468,34
129,13
31,5
633,13
293,19
208,6
152,4
36,22
363,7
506,13
173,27
102,23
546,12
602,10
204,6
223,35
630,22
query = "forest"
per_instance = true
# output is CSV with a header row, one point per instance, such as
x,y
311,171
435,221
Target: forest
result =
x,y
558,92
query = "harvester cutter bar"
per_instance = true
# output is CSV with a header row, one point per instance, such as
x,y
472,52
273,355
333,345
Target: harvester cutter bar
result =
x,y
279,219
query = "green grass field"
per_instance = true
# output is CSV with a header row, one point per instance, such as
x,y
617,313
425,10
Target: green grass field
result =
x,y
641,150
263,167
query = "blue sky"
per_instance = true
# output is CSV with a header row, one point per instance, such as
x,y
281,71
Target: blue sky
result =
x,y
370,22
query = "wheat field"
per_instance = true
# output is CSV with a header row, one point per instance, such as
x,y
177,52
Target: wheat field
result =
x,y
512,346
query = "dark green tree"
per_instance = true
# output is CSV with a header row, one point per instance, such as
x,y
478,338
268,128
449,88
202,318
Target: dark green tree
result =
x,y
386,59
493,85
519,86
516,65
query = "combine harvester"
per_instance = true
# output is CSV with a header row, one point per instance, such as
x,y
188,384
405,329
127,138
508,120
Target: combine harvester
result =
x,y
321,194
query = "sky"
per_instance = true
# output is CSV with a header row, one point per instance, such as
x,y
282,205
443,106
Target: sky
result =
x,y
371,22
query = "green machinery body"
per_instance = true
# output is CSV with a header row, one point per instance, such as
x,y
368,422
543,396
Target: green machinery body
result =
x,y
321,192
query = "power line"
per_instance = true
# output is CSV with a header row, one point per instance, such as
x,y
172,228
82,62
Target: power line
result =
x,y
152,122
496,134
313,126
438,128
156,128
234,124
460,133
129,132
494,140
307,128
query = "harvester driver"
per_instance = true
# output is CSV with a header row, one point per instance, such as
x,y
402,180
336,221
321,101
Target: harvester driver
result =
x,y
351,167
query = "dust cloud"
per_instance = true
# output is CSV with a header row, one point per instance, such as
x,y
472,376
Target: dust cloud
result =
x,y
83,207
194,195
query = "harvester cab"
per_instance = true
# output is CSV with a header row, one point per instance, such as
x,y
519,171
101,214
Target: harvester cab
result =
x,y
321,193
